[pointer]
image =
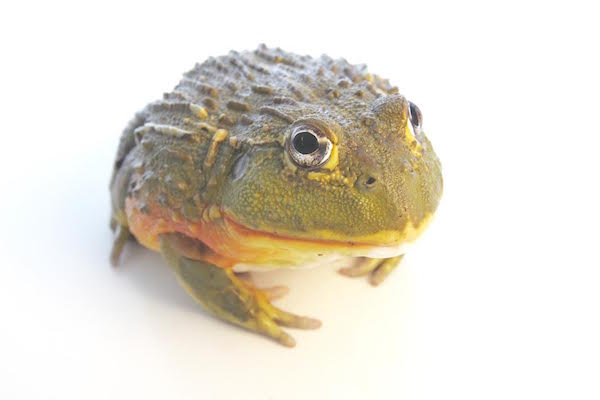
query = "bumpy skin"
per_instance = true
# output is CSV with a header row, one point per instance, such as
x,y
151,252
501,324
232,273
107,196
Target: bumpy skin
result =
x,y
209,162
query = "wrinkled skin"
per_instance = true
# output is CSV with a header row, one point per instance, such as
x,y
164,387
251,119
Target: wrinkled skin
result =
x,y
206,176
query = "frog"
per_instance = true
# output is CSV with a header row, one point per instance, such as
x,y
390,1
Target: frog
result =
x,y
266,159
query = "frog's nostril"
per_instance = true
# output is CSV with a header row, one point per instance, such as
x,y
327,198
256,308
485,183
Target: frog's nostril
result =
x,y
366,182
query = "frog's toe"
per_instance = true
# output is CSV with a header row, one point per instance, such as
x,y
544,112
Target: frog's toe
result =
x,y
275,292
362,268
255,312
377,268
385,267
267,326
297,321
290,320
269,319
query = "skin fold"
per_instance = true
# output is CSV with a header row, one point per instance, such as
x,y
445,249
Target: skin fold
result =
x,y
212,176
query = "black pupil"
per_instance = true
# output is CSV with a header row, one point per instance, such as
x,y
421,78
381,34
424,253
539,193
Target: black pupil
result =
x,y
305,142
415,115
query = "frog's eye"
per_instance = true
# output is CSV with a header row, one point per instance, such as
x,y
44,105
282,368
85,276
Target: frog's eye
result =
x,y
308,147
415,115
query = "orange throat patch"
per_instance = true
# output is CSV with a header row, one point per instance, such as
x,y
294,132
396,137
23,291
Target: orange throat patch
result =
x,y
229,243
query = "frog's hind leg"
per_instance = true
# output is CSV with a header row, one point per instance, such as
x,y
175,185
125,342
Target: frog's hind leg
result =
x,y
122,235
225,295
377,268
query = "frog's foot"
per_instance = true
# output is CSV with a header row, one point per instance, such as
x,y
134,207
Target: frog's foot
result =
x,y
272,293
377,268
122,235
227,296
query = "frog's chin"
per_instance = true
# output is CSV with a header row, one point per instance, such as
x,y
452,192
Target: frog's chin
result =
x,y
232,243
386,243
260,249
334,258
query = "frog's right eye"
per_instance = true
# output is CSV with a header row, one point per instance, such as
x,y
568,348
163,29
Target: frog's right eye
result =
x,y
308,147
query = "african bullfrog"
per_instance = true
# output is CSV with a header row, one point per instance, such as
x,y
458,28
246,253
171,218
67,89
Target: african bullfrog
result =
x,y
265,159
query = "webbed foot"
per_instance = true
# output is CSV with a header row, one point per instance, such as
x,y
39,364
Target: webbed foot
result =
x,y
377,268
227,296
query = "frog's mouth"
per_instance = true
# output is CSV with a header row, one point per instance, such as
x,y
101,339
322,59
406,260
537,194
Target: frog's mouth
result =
x,y
231,242
228,236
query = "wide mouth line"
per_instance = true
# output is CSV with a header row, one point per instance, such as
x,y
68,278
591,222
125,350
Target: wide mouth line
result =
x,y
282,236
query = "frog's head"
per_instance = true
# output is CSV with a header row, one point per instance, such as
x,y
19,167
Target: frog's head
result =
x,y
368,180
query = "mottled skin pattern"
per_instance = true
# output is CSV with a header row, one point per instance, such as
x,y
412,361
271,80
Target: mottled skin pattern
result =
x,y
205,177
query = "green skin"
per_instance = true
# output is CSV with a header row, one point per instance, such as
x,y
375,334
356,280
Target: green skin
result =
x,y
259,97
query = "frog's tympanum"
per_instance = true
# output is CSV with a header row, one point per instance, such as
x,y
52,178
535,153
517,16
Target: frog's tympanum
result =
x,y
266,159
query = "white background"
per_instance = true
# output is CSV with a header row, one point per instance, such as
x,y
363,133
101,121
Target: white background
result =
x,y
499,300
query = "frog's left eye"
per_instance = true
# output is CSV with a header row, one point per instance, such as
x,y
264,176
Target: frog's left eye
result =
x,y
415,116
308,147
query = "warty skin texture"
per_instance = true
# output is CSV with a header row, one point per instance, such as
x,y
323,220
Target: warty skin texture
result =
x,y
257,98
205,176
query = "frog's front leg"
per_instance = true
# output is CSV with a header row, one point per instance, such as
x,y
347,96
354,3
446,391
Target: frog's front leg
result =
x,y
227,296
377,268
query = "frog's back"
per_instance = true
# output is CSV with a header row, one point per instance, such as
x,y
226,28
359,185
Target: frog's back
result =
x,y
241,99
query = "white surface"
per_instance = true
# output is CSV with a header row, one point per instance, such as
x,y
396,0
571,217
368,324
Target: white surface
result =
x,y
498,300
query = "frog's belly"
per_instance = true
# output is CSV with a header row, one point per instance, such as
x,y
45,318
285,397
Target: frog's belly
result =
x,y
328,259
337,260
